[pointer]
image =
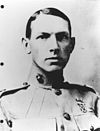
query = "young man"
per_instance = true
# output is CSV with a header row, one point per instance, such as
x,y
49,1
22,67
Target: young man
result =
x,y
46,102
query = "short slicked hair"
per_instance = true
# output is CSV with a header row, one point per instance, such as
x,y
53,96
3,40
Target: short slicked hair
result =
x,y
47,11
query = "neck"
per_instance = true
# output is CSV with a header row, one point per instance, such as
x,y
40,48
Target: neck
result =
x,y
49,78
55,76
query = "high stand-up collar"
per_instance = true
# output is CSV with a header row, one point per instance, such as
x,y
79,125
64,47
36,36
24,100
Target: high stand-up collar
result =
x,y
41,78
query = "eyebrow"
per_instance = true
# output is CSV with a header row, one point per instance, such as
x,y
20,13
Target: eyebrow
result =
x,y
42,34
47,33
63,32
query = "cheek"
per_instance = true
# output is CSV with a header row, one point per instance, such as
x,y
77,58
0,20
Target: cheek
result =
x,y
35,52
38,54
65,51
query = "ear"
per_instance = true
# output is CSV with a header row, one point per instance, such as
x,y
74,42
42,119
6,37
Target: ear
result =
x,y
72,44
26,45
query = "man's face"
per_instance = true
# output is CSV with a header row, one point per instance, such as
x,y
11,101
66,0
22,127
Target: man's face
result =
x,y
50,42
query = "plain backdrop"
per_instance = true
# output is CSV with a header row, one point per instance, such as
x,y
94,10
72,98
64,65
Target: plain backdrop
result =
x,y
84,65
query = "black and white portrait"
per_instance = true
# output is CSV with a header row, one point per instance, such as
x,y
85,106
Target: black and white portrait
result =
x,y
49,65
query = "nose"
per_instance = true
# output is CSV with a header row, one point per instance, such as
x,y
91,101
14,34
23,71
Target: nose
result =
x,y
54,47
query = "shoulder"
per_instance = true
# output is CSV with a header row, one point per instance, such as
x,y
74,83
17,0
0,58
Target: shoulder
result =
x,y
84,91
11,100
83,94
8,92
78,87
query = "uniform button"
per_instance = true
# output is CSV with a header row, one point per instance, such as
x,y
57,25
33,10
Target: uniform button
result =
x,y
40,78
66,116
58,92
91,128
25,83
9,123
62,128
1,121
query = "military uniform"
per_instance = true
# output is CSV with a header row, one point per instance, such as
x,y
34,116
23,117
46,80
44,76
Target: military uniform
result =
x,y
63,107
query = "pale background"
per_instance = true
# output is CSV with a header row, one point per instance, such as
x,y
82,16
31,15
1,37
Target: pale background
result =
x,y
84,65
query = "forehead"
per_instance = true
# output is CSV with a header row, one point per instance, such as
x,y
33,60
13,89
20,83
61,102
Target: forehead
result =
x,y
49,23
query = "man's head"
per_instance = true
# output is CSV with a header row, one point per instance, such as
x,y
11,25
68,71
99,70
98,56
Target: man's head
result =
x,y
48,38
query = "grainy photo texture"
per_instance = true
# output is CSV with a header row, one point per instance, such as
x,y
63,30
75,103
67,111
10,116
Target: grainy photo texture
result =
x,y
49,65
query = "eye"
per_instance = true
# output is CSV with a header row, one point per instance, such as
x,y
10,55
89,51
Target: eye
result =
x,y
43,36
62,36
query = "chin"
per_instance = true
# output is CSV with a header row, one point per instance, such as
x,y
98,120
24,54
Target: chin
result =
x,y
53,68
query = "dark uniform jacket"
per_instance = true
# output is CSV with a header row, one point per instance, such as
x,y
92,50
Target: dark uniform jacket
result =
x,y
68,107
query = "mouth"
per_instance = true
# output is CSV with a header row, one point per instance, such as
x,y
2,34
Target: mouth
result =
x,y
54,59
57,61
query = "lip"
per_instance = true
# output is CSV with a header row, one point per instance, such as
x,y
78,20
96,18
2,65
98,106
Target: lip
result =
x,y
54,58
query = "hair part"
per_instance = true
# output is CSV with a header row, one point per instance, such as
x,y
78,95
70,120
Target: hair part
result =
x,y
47,11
